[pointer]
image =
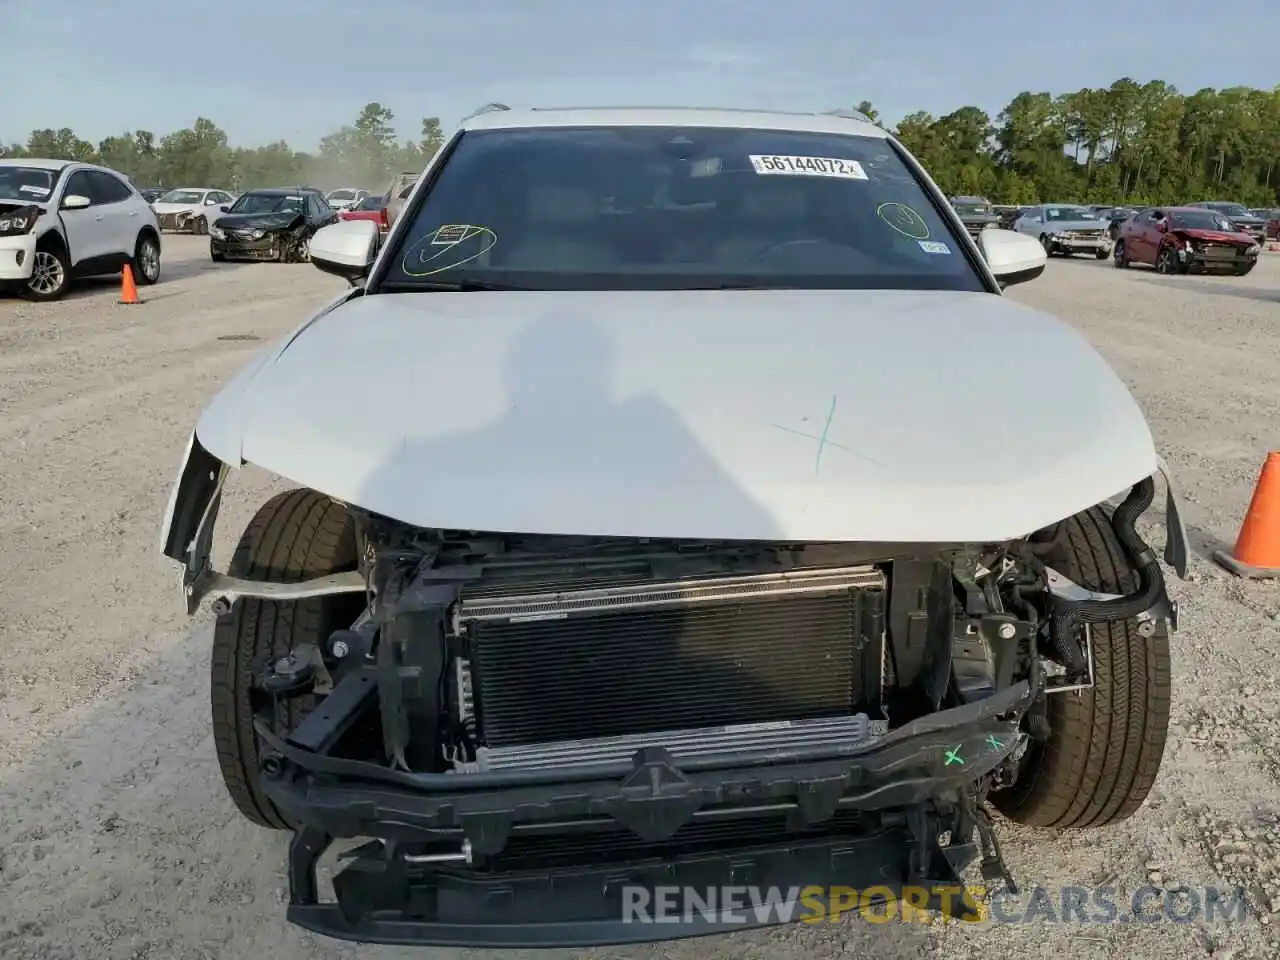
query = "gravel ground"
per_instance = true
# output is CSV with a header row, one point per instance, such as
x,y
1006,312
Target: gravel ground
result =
x,y
113,845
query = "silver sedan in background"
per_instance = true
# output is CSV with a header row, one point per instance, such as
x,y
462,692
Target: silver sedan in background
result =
x,y
1067,228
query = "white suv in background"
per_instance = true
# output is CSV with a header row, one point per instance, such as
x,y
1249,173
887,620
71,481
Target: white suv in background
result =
x,y
345,198
61,221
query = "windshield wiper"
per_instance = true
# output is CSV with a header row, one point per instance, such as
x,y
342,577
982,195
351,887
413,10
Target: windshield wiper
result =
x,y
453,286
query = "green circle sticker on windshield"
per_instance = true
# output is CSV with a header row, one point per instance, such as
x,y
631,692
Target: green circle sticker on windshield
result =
x,y
903,219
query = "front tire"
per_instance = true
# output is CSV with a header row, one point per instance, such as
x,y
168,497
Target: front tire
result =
x,y
1243,271
146,260
1120,256
1167,261
294,536
1101,254
50,274
1049,245
1105,744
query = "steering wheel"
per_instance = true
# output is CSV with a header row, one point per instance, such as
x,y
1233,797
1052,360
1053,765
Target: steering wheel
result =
x,y
767,251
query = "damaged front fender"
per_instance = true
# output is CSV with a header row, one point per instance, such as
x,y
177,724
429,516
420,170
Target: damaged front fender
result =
x,y
187,538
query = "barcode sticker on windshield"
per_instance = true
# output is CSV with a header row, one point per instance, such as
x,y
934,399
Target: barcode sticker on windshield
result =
x,y
807,166
933,246
450,233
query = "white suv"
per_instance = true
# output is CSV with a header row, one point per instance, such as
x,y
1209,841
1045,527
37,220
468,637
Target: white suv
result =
x,y
60,221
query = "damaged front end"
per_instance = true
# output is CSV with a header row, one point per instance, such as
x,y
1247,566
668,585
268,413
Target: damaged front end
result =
x,y
280,241
527,729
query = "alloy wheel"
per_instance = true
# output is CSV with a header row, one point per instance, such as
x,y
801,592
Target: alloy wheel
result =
x,y
47,274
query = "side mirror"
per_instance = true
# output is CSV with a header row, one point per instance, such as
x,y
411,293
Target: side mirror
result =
x,y
1013,257
75,201
225,207
346,248
209,201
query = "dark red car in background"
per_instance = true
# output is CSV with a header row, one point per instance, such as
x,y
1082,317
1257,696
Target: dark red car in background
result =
x,y
370,208
1272,220
1185,239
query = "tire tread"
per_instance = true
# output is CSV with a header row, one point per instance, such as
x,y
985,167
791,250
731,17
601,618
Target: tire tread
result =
x,y
1106,744
296,535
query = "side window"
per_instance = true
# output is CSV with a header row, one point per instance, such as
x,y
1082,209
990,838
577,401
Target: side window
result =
x,y
80,185
314,209
106,188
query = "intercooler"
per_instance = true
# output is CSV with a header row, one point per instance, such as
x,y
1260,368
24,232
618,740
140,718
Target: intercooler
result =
x,y
697,666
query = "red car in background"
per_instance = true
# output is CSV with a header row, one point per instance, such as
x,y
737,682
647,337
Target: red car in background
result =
x,y
370,208
1272,219
1183,240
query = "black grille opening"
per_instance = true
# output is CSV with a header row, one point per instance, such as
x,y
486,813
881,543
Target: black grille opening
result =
x,y
614,844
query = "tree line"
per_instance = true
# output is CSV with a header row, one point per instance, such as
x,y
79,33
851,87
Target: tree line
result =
x,y
1131,142
363,154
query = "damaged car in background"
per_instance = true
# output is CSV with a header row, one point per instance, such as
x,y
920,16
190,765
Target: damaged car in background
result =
x,y
1186,240
190,209
275,224
1067,229
638,536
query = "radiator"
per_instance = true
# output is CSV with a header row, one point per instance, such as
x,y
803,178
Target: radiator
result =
x,y
720,663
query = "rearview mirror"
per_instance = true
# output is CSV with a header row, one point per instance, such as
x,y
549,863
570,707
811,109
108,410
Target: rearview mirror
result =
x,y
346,248
75,201
1013,257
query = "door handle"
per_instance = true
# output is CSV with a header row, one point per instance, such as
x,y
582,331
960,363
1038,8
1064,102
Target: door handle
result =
x,y
98,217
133,213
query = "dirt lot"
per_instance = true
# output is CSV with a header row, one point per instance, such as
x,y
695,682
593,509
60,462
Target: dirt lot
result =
x,y
116,839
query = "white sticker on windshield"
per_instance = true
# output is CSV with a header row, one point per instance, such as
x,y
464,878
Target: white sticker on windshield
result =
x,y
38,191
449,234
933,246
807,166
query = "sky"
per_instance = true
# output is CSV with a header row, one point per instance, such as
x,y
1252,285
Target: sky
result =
x,y
266,70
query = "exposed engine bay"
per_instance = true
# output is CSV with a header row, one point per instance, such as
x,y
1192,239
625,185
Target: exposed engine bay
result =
x,y
496,653
528,713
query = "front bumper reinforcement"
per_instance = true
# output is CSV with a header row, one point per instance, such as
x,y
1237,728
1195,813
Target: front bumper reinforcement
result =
x,y
434,873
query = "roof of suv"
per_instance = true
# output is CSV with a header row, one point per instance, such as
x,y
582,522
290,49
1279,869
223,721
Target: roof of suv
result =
x,y
498,119
39,163
281,191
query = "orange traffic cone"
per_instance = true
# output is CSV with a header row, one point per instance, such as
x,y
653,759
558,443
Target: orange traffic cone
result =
x,y
128,291
1257,551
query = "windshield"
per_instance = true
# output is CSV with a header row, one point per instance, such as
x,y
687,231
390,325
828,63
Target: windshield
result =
x,y
1068,213
182,196
29,184
1201,220
372,203
972,209
267,203
659,208
341,195
1230,209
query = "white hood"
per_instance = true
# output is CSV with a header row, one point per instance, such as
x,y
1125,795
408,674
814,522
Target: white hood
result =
x,y
948,416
